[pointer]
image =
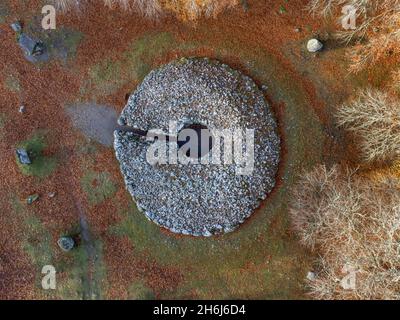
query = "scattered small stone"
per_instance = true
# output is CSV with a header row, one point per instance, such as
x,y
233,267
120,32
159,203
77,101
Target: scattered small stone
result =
x,y
32,198
314,45
22,109
23,156
51,194
311,276
66,243
297,30
17,27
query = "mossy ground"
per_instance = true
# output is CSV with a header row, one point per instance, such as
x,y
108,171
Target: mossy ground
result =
x,y
98,186
42,165
12,83
4,11
40,244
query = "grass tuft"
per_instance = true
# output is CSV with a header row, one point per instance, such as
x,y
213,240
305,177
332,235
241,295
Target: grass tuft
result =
x,y
98,186
139,291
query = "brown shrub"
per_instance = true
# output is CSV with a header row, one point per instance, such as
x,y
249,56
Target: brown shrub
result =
x,y
187,10
354,225
147,8
374,118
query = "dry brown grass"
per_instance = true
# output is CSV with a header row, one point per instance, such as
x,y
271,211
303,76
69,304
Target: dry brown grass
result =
x,y
191,10
395,81
186,10
378,22
374,118
147,8
353,224
66,5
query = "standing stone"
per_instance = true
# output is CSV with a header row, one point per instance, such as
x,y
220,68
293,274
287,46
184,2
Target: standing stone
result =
x,y
23,156
66,243
314,45
17,27
30,46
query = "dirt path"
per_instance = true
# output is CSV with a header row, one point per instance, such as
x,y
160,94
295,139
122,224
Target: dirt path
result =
x,y
90,289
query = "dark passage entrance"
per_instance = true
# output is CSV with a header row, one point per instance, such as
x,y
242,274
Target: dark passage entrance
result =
x,y
196,147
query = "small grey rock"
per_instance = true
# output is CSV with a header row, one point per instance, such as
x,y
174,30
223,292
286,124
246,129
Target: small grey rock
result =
x,y
51,194
32,198
311,276
22,109
66,243
314,45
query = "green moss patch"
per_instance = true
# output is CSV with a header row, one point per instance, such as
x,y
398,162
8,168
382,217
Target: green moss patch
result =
x,y
12,83
4,11
139,291
110,75
98,186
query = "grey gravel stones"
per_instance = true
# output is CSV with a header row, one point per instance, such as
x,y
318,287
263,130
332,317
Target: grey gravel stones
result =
x,y
197,199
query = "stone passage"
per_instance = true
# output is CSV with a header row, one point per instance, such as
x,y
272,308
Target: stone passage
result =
x,y
196,199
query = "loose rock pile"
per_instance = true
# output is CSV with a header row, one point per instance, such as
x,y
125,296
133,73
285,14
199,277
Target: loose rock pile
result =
x,y
196,199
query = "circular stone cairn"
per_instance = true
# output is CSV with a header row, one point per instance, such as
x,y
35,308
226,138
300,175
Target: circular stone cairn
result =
x,y
197,199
